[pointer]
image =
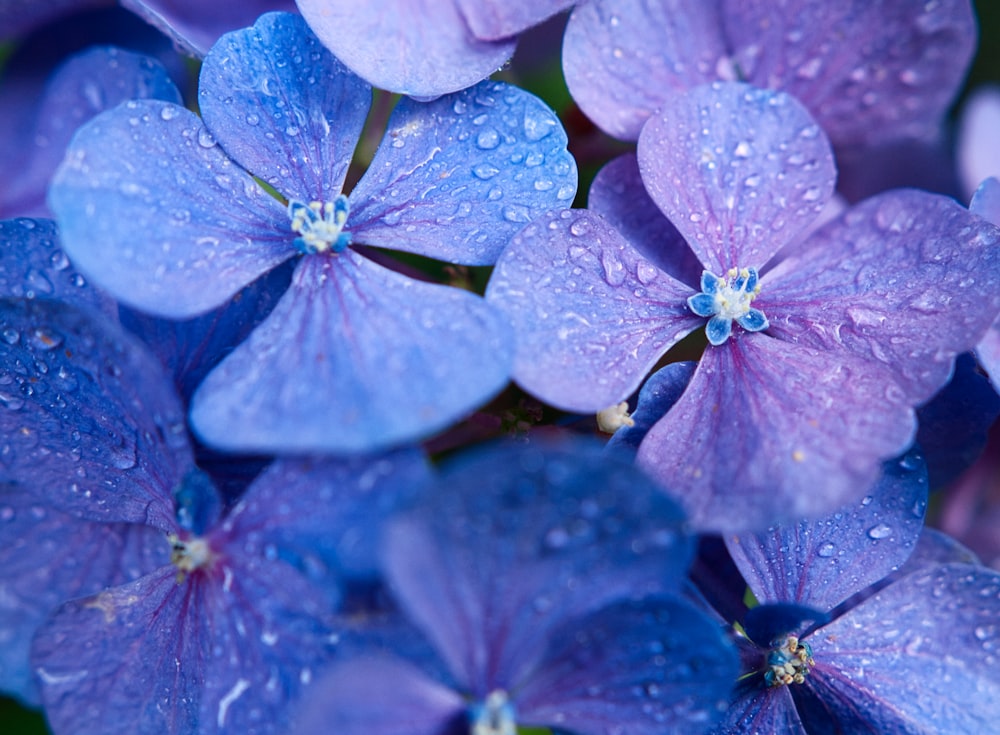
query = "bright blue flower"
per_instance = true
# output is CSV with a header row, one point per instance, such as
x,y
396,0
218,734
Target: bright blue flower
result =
x,y
542,575
165,212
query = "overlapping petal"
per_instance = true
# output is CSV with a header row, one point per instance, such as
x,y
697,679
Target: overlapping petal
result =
x,y
763,423
163,219
738,171
283,107
353,358
88,416
906,279
454,179
492,21
660,391
429,50
822,562
592,315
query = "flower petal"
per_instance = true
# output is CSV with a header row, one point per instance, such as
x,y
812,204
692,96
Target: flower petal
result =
x,y
88,417
517,538
454,179
48,557
868,72
978,151
618,195
762,421
151,209
283,107
623,60
822,562
660,391
432,50
591,315
648,667
354,358
919,656
738,171
758,710
495,21
906,278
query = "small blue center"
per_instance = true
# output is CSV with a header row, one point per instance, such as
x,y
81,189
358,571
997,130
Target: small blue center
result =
x,y
728,299
493,716
320,225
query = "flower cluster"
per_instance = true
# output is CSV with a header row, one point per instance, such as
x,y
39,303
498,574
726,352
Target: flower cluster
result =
x,y
311,341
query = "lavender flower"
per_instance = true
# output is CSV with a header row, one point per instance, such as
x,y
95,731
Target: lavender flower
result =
x,y
868,72
814,364
541,576
354,356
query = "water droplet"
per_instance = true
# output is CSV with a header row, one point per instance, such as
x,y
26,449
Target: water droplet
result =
x,y
488,139
59,260
580,227
516,213
291,131
811,194
169,112
11,336
10,401
252,119
742,149
45,339
485,171
880,531
811,69
537,125
826,550
614,271
205,139
556,538
866,500
459,107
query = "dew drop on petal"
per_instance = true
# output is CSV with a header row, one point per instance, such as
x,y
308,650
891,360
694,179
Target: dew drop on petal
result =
x,y
826,550
879,532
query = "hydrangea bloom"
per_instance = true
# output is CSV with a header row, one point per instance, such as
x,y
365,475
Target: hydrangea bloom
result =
x,y
537,572
814,364
98,475
354,356
918,656
438,46
867,72
986,203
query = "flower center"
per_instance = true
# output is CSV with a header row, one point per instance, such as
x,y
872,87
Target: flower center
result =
x,y
728,299
789,663
188,555
320,225
494,716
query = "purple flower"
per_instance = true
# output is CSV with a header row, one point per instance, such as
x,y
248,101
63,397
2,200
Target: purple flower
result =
x,y
986,203
918,656
541,575
165,212
868,72
863,318
978,150
438,46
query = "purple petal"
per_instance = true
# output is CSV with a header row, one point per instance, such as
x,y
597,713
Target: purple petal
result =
x,y
89,418
151,168
920,656
739,171
456,178
623,59
978,150
283,107
226,649
32,265
48,557
330,511
646,667
868,72
822,562
380,696
431,50
354,358
592,316
194,26
762,421
757,710
492,21
907,279
18,17
518,538
88,83
618,195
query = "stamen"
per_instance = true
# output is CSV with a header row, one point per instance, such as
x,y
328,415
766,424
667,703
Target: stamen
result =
x,y
320,225
494,716
727,300
188,555
789,663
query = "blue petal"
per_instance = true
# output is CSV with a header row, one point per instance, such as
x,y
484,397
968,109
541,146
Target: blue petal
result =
x,y
354,358
89,418
456,178
702,304
710,283
753,321
648,667
151,209
517,538
822,562
283,107
718,330
660,391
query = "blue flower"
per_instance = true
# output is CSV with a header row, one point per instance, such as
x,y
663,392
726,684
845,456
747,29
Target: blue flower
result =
x,y
823,653
542,575
820,346
167,214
